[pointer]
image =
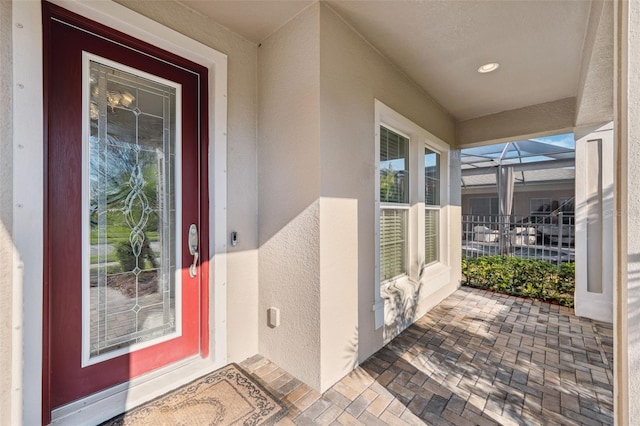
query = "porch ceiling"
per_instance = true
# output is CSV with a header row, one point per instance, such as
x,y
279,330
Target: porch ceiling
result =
x,y
441,44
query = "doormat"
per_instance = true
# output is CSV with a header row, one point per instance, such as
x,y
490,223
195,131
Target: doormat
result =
x,y
228,396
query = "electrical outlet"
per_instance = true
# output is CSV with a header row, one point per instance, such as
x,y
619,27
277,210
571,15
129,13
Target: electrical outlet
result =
x,y
273,317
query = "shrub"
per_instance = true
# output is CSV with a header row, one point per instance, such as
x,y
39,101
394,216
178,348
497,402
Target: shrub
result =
x,y
125,256
128,260
536,279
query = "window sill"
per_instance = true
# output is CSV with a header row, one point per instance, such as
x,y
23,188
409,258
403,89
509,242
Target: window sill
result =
x,y
435,269
396,280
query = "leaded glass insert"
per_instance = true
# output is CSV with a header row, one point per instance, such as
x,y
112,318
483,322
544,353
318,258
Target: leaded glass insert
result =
x,y
132,156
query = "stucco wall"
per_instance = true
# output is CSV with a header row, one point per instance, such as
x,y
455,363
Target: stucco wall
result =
x,y
6,209
352,76
339,250
537,120
594,103
455,216
317,81
289,190
242,213
628,310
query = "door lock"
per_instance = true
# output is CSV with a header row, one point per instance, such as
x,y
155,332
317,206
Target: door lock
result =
x,y
193,249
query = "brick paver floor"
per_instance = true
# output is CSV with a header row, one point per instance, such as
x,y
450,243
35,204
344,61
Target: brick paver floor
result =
x,y
478,358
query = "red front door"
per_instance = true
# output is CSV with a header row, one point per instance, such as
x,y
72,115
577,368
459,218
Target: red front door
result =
x,y
124,144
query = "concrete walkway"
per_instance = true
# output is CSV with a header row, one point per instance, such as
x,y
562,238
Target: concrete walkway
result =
x,y
478,358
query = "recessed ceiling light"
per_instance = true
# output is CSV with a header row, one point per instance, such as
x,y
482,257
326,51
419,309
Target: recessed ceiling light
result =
x,y
488,67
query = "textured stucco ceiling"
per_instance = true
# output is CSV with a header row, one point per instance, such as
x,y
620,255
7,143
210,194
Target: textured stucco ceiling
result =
x,y
441,44
255,20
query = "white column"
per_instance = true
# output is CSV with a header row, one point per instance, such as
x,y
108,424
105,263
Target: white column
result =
x,y
6,211
594,222
627,314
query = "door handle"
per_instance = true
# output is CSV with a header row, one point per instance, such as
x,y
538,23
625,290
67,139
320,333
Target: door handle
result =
x,y
193,249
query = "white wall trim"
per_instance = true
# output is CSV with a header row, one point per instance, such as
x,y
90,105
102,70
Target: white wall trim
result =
x,y
626,386
28,175
28,181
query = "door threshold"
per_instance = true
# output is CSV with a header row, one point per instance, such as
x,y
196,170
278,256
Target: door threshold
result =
x,y
104,405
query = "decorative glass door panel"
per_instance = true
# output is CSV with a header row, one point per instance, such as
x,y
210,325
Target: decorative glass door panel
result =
x,y
131,285
126,166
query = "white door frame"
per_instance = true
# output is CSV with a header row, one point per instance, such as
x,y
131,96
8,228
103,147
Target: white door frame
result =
x,y
28,214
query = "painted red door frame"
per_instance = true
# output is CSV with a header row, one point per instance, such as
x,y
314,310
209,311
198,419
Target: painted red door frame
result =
x,y
52,12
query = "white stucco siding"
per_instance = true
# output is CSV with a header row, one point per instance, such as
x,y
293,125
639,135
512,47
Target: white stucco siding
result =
x,y
27,183
6,210
318,80
338,289
289,190
627,318
545,119
594,102
290,282
455,217
242,204
353,74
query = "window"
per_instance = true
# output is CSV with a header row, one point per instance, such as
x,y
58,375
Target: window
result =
x,y
395,177
411,210
394,203
540,206
431,205
483,206
567,205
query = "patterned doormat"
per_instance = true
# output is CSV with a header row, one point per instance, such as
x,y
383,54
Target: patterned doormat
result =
x,y
228,396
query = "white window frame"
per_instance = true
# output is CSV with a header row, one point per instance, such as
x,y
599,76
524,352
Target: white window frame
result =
x,y
531,200
396,206
419,138
433,207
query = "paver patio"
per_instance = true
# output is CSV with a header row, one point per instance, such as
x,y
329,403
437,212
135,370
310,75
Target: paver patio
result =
x,y
478,358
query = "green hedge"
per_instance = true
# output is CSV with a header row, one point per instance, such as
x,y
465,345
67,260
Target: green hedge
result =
x,y
532,278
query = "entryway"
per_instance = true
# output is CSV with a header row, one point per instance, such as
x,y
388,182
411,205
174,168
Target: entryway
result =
x,y
478,358
126,229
